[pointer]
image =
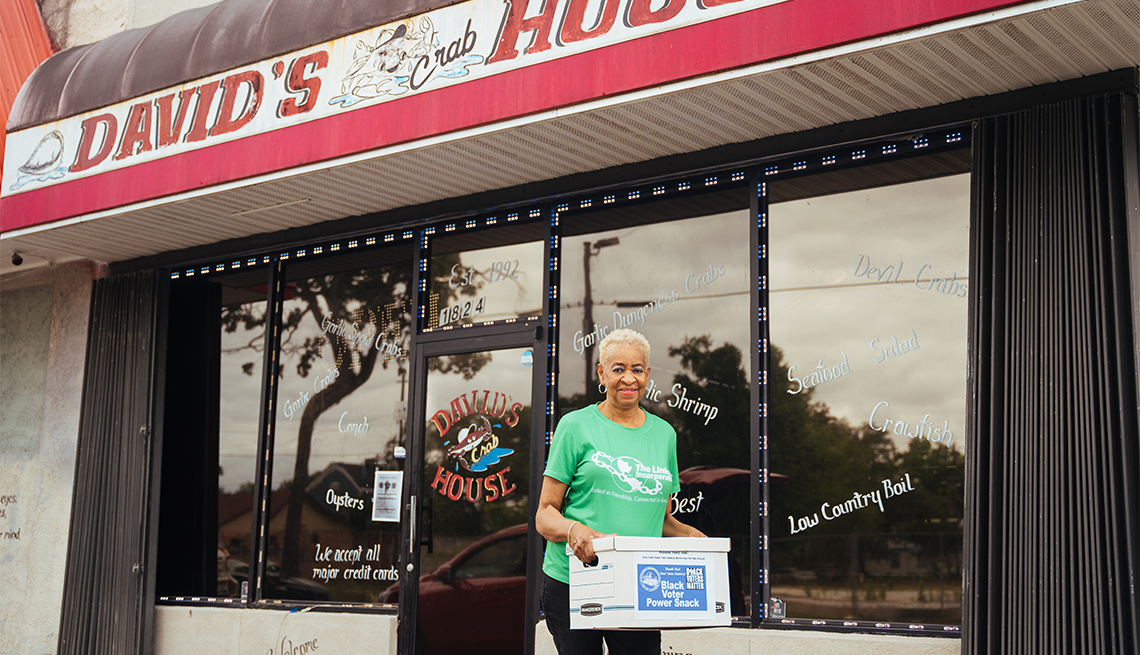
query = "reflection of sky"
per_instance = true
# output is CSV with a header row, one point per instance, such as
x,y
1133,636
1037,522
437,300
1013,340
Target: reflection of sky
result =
x,y
240,397
651,261
509,277
815,315
505,373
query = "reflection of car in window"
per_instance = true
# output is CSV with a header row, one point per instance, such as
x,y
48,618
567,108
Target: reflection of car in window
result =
x,y
474,603
715,500
278,585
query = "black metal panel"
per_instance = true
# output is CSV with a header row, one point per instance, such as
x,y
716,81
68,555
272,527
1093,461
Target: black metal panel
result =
x,y
1053,534
259,543
188,521
106,600
760,559
544,403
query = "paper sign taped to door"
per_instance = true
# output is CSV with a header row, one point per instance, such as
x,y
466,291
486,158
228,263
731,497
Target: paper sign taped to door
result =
x,y
386,490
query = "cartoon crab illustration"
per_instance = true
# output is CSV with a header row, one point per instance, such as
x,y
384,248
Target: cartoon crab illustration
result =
x,y
380,69
470,438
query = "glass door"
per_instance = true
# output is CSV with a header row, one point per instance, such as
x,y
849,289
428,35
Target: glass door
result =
x,y
474,437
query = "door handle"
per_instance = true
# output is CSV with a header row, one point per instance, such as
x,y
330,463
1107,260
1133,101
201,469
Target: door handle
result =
x,y
413,519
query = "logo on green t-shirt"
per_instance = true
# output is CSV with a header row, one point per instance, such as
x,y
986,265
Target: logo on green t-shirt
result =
x,y
631,475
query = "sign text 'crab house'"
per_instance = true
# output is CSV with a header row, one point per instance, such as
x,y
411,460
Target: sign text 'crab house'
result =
x,y
467,428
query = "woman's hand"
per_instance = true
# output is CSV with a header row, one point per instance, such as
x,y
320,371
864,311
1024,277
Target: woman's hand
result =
x,y
581,539
555,527
674,528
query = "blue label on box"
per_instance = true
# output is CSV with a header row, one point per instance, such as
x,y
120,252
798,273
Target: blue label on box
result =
x,y
671,587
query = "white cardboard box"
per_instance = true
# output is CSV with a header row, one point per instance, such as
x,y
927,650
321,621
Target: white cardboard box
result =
x,y
652,582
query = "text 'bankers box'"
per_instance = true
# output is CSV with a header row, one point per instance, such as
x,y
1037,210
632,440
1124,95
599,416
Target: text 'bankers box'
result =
x,y
651,582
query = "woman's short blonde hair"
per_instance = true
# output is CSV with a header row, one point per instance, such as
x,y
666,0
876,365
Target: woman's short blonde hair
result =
x,y
624,335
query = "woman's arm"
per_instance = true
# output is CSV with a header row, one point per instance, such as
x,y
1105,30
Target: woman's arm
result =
x,y
557,528
674,528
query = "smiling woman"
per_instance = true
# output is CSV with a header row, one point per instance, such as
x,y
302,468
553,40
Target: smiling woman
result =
x,y
612,469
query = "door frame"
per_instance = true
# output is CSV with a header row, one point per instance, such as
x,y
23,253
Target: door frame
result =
x,y
532,333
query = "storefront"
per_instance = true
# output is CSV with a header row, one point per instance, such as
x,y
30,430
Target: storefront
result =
x,y
358,267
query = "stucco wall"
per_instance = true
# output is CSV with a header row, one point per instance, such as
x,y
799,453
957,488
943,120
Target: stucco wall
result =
x,y
43,341
229,631
233,631
79,22
739,641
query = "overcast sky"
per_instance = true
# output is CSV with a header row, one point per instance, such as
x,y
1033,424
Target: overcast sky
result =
x,y
824,246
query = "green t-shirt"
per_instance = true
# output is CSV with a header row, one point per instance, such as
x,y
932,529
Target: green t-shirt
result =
x,y
620,478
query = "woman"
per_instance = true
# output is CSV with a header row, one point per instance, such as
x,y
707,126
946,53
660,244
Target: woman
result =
x,y
612,469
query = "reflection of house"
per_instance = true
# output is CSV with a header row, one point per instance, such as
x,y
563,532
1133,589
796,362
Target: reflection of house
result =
x,y
235,516
340,478
322,521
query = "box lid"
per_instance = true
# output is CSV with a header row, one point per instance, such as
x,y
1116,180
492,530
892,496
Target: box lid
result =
x,y
660,544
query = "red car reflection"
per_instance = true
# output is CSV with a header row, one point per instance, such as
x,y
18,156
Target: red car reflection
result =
x,y
474,603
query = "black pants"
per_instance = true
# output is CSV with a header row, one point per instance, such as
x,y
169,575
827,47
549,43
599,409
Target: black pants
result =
x,y
556,607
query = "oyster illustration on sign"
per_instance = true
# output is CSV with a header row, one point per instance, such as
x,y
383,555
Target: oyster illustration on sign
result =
x,y
46,156
45,162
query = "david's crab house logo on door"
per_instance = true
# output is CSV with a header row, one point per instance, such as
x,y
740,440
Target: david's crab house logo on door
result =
x,y
473,467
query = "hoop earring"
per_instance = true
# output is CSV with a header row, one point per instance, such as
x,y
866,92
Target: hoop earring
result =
x,y
601,388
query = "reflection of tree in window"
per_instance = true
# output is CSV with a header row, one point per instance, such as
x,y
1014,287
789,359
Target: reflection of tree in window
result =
x,y
378,296
715,374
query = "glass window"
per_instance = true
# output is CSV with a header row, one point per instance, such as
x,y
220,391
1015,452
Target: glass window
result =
x,y
865,274
243,314
338,426
476,501
868,299
475,279
679,272
212,412
341,408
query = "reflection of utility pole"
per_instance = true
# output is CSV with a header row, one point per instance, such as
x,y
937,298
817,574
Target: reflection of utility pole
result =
x,y
401,415
588,304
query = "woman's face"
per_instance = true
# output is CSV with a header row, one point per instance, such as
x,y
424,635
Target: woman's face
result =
x,y
625,375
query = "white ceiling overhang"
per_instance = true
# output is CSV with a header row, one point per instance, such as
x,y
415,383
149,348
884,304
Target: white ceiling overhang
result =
x,y
1013,48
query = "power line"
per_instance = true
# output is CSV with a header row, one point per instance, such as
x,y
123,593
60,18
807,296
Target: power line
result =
x,y
858,284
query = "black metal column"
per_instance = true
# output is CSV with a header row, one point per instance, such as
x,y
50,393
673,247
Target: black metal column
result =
x,y
108,594
1053,449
